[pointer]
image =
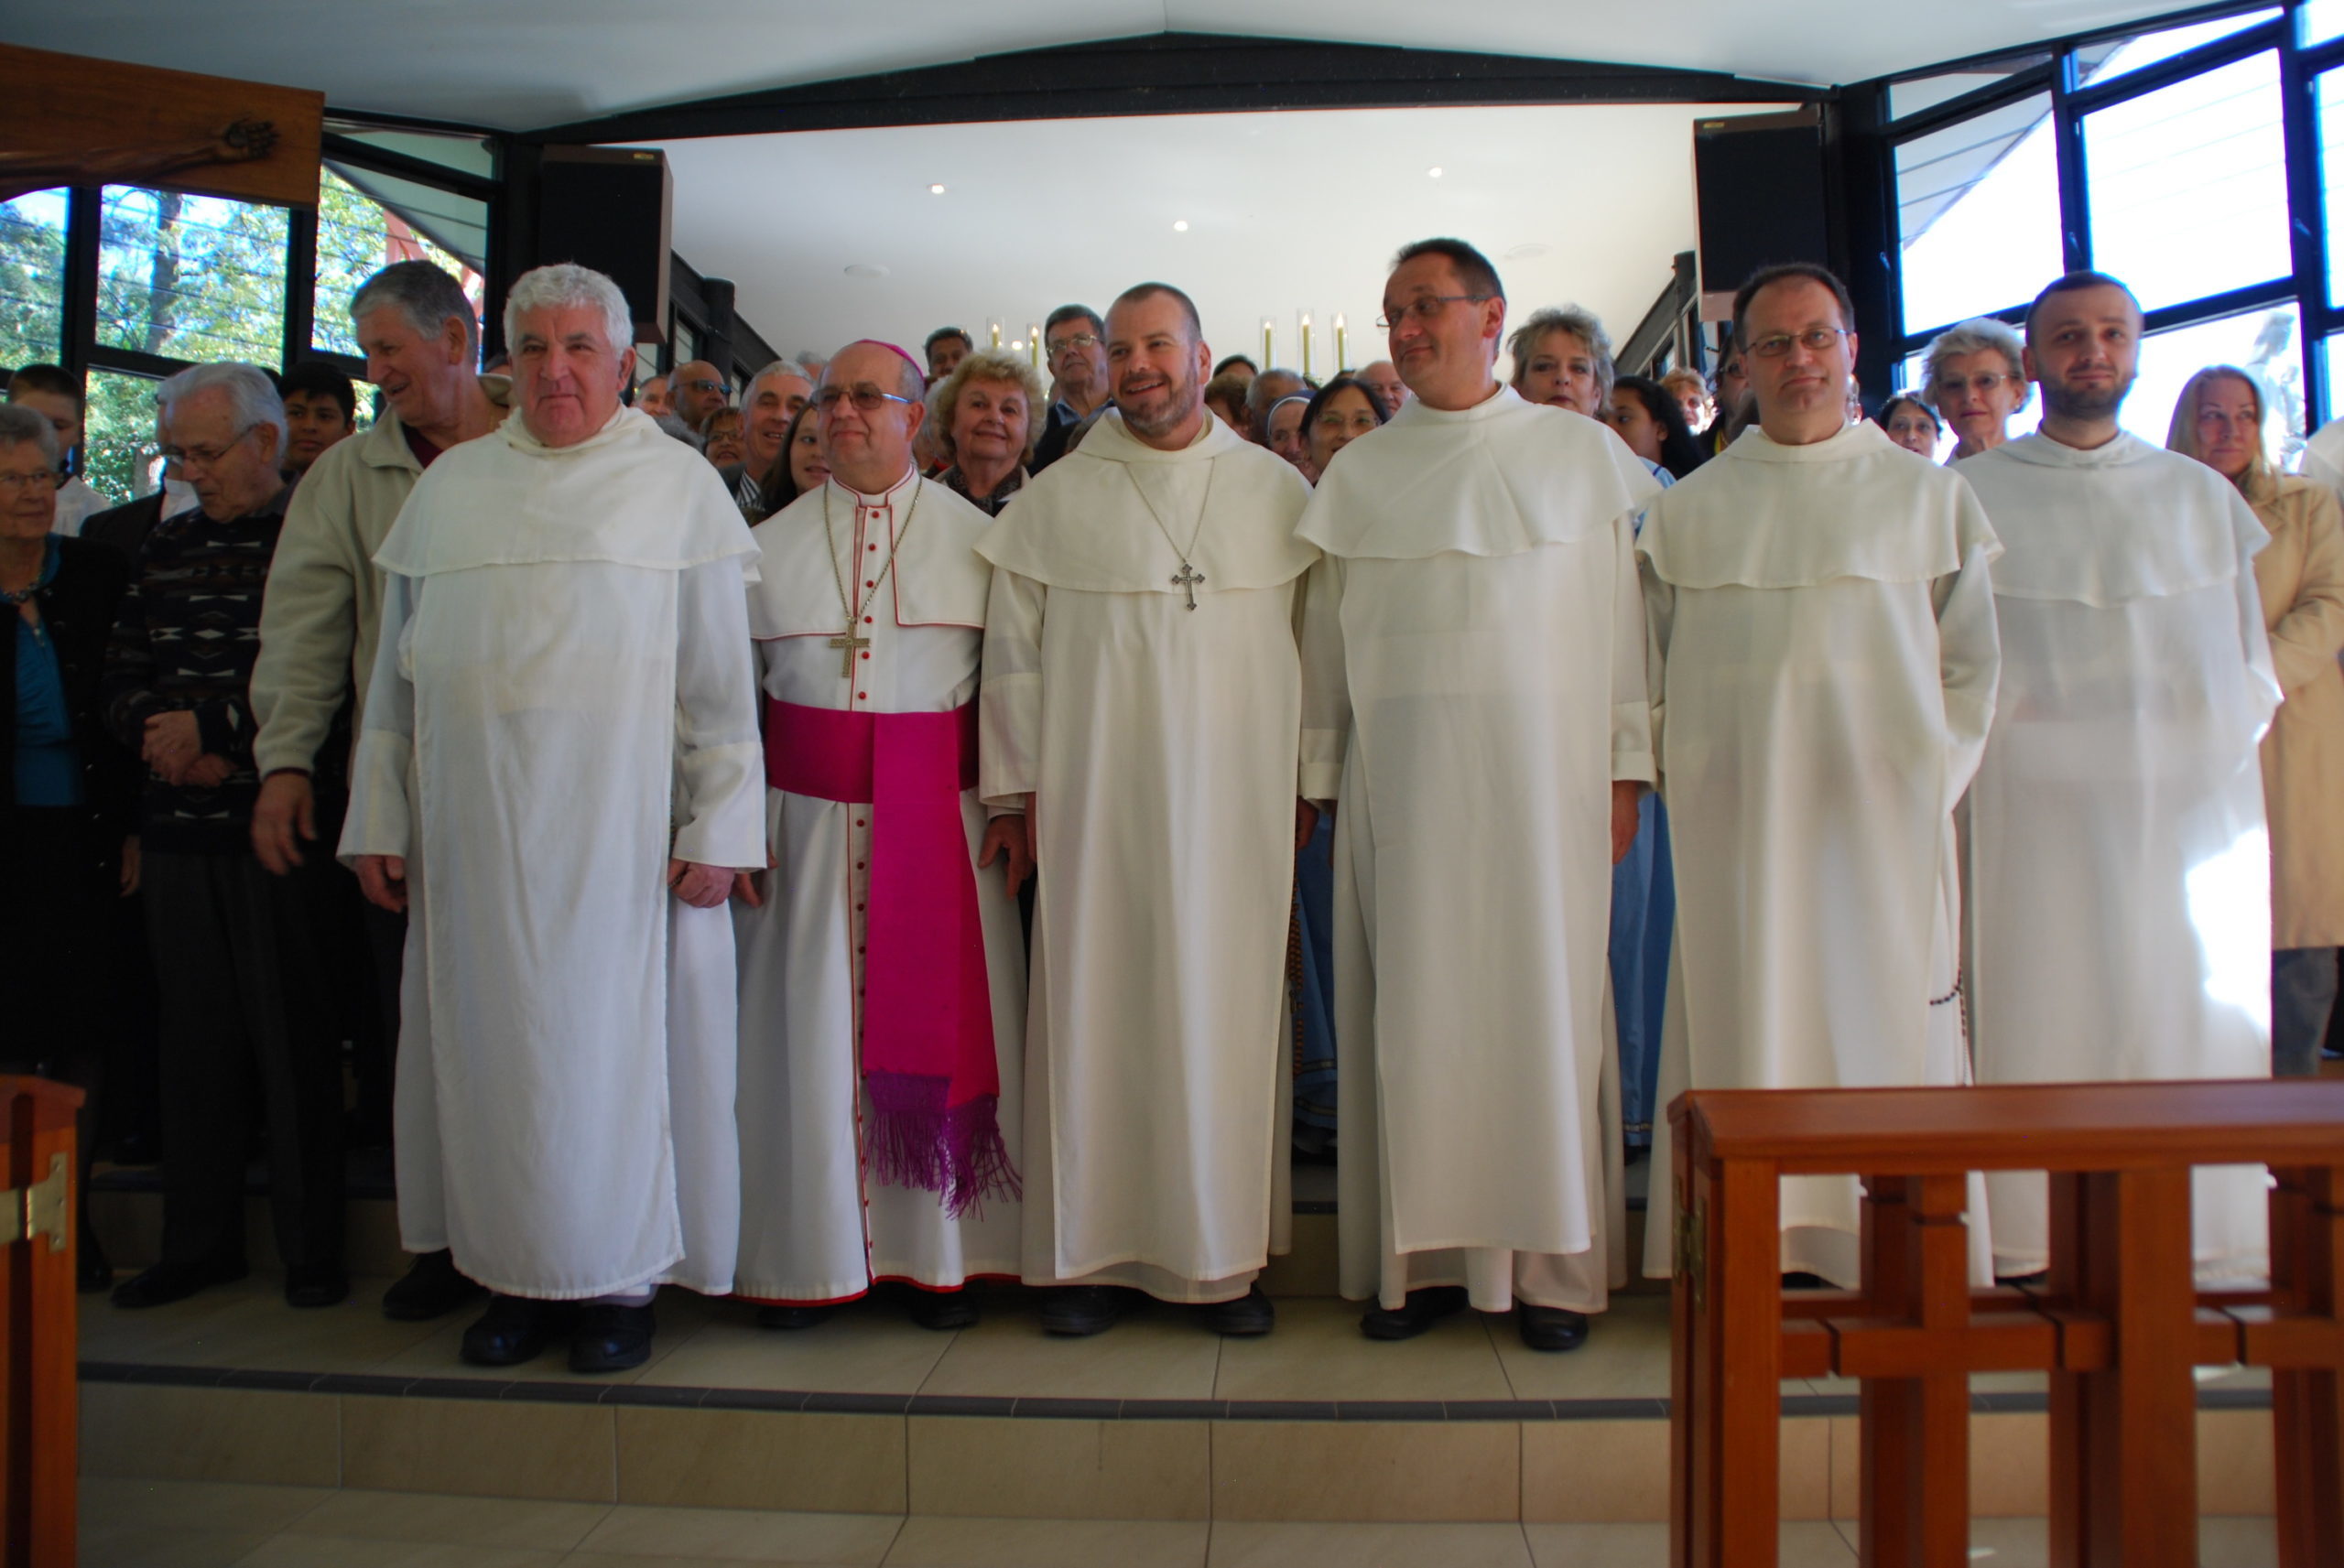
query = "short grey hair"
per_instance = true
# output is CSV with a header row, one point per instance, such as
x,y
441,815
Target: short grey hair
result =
x,y
565,285
1000,365
1979,335
19,425
251,396
1580,323
425,295
778,367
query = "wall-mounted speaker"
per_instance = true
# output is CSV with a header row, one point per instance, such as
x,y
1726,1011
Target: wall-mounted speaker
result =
x,y
1759,189
611,209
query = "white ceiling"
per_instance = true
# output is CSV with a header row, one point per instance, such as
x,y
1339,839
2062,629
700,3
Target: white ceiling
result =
x,y
1286,211
516,64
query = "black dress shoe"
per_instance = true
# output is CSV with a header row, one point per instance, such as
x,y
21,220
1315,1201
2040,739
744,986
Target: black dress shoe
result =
x,y
1549,1328
431,1288
793,1317
942,1310
1419,1311
609,1338
512,1330
317,1285
1076,1312
1249,1314
168,1282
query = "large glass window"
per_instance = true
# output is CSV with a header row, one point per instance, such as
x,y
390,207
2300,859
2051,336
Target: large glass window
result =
x,y
1977,206
2331,173
2105,63
32,278
2188,185
192,278
358,236
1927,91
119,453
2321,20
2265,343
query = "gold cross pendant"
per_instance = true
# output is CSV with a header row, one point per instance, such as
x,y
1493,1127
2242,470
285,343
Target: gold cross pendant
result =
x,y
851,643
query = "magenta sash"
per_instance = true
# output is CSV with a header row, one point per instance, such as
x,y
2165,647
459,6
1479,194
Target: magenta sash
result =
x,y
927,1045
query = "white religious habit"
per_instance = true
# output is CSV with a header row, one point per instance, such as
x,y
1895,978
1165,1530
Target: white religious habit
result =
x,y
1824,660
1473,683
1141,683
561,700
878,942
2117,867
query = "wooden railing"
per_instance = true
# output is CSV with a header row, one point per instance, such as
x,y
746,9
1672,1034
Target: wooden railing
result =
x,y
2118,1323
39,1450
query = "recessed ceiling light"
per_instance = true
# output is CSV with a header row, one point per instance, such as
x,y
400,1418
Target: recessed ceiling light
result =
x,y
1434,171
936,191
865,269
1180,225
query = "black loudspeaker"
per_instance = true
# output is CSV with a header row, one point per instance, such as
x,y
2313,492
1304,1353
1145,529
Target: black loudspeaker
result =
x,y
611,209
1759,187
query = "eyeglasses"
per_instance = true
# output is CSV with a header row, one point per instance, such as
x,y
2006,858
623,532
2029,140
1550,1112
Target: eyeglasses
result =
x,y
866,398
1955,385
36,481
1079,340
1424,308
181,459
1814,340
724,387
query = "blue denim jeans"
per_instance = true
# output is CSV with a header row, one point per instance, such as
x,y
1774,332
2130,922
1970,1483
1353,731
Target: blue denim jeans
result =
x,y
2303,992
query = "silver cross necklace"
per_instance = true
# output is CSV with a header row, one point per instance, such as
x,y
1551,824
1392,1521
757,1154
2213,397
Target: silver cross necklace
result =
x,y
1187,577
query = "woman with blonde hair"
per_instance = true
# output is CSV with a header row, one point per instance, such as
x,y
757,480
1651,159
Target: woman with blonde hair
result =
x,y
2218,420
982,422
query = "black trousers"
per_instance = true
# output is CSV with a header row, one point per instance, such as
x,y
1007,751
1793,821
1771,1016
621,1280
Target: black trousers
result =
x,y
245,1030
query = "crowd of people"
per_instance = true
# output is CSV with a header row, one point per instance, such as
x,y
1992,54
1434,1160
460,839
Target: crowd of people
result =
x,y
919,822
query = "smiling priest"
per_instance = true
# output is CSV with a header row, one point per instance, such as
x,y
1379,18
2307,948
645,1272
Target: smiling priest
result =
x,y
1474,689
557,781
1141,712
882,984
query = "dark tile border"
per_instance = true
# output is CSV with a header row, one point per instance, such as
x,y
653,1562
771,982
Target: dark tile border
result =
x,y
662,1396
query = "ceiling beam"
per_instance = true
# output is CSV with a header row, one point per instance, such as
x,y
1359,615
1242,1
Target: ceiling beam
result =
x,y
1174,73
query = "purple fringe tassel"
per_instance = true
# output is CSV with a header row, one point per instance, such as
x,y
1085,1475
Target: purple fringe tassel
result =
x,y
957,1153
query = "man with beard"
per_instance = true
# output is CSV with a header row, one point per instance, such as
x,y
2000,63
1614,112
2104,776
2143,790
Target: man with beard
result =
x,y
1140,740
2119,895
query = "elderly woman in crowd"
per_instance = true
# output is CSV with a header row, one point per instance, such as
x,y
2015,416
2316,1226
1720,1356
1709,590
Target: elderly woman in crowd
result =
x,y
981,421
1563,357
1975,376
1339,413
2218,420
1912,425
1652,421
720,440
69,791
1691,391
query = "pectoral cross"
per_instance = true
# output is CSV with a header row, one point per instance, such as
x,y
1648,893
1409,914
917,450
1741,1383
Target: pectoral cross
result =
x,y
850,644
1187,577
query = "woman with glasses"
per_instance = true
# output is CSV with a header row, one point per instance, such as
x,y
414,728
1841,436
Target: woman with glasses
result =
x,y
2218,420
720,438
1339,413
1912,425
69,790
1974,375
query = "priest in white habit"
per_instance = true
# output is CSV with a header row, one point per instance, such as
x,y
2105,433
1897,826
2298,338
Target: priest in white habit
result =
x,y
1140,714
883,981
558,780
1823,673
2117,865
1473,683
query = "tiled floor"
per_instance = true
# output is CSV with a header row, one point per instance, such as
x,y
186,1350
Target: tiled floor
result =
x,y
169,1524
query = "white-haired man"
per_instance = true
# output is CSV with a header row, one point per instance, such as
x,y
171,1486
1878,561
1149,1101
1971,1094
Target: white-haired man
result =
x,y
882,982
317,625
775,396
556,779
1141,709
236,962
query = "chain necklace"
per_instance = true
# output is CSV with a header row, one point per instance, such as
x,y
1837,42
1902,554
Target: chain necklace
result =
x,y
1187,577
850,645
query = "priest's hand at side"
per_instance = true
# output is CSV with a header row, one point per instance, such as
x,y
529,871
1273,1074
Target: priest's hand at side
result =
x,y
383,879
702,887
1306,823
1626,795
1008,837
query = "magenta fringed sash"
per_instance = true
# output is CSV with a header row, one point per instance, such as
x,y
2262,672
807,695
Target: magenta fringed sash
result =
x,y
927,1048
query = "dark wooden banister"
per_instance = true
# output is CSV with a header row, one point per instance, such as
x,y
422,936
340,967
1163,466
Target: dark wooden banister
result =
x,y
2118,1323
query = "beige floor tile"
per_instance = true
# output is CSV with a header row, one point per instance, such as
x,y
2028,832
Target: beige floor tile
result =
x,y
2236,1544
506,1522
867,1348
1805,1466
762,1459
1157,1354
1816,1545
2016,1543
1025,1468
108,1333
119,1545
2237,1464
479,1448
1368,1546
1318,1353
750,1535
293,1550
1598,1545
260,1331
1312,1268
1049,1544
1594,1472
208,1434
1626,1356
230,1506
2009,1465
1370,1472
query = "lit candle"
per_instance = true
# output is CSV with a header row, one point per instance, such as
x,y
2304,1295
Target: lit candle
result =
x,y
994,326
1034,343
1306,346
1269,337
1342,355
